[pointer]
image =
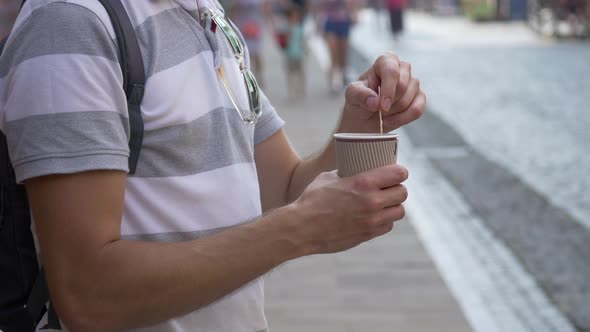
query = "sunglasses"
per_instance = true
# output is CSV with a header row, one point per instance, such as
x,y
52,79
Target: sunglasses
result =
x,y
250,115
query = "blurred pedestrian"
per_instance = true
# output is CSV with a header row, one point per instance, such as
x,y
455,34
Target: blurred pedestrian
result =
x,y
279,22
295,52
338,16
378,7
302,4
574,12
396,16
248,16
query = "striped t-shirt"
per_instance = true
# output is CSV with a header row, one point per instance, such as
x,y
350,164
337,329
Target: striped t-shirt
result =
x,y
63,110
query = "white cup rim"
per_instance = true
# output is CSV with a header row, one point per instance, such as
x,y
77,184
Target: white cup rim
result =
x,y
361,136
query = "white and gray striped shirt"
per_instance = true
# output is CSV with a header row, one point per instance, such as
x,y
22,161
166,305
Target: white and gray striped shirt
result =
x,y
63,110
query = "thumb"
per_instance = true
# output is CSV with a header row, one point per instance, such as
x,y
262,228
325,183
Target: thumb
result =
x,y
360,95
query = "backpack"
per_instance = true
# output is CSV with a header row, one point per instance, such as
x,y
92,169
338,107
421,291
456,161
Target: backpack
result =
x,y
23,289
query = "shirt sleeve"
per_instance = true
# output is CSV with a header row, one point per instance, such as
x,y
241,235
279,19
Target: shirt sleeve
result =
x,y
268,123
62,105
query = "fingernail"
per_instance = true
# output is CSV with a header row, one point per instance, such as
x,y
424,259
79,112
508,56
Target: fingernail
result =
x,y
407,174
386,104
372,103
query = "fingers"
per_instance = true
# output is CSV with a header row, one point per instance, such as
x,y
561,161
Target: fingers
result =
x,y
358,94
405,78
413,89
379,178
386,74
392,196
381,230
394,77
411,113
389,176
387,216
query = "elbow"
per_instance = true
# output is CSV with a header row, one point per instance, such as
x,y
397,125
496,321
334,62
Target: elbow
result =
x,y
78,324
80,318
83,319
81,312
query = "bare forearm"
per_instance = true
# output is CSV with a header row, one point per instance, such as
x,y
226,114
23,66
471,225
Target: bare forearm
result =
x,y
135,283
309,168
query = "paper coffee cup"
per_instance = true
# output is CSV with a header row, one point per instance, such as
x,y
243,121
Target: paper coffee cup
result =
x,y
357,153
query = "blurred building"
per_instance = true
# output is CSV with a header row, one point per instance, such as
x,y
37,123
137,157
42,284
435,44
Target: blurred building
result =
x,y
497,9
479,10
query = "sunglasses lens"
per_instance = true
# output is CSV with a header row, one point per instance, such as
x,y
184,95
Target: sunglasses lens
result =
x,y
230,34
241,86
253,92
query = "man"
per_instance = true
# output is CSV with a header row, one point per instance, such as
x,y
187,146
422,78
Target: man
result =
x,y
215,202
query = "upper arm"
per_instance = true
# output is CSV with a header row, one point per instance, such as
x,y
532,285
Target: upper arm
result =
x,y
276,161
63,108
75,215
64,114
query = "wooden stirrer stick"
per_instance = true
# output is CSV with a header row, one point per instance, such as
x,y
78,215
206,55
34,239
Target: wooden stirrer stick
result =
x,y
380,114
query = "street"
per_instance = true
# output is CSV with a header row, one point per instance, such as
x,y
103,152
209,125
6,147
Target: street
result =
x,y
521,100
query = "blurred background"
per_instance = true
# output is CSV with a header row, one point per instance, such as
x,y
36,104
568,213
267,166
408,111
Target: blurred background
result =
x,y
497,234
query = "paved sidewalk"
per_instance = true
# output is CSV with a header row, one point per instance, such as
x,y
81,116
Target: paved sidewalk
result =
x,y
513,254
389,284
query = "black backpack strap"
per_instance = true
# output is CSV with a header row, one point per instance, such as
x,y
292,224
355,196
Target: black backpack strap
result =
x,y
36,304
38,298
133,74
53,322
3,43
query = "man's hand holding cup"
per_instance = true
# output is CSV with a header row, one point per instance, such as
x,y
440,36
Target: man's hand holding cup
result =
x,y
363,198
